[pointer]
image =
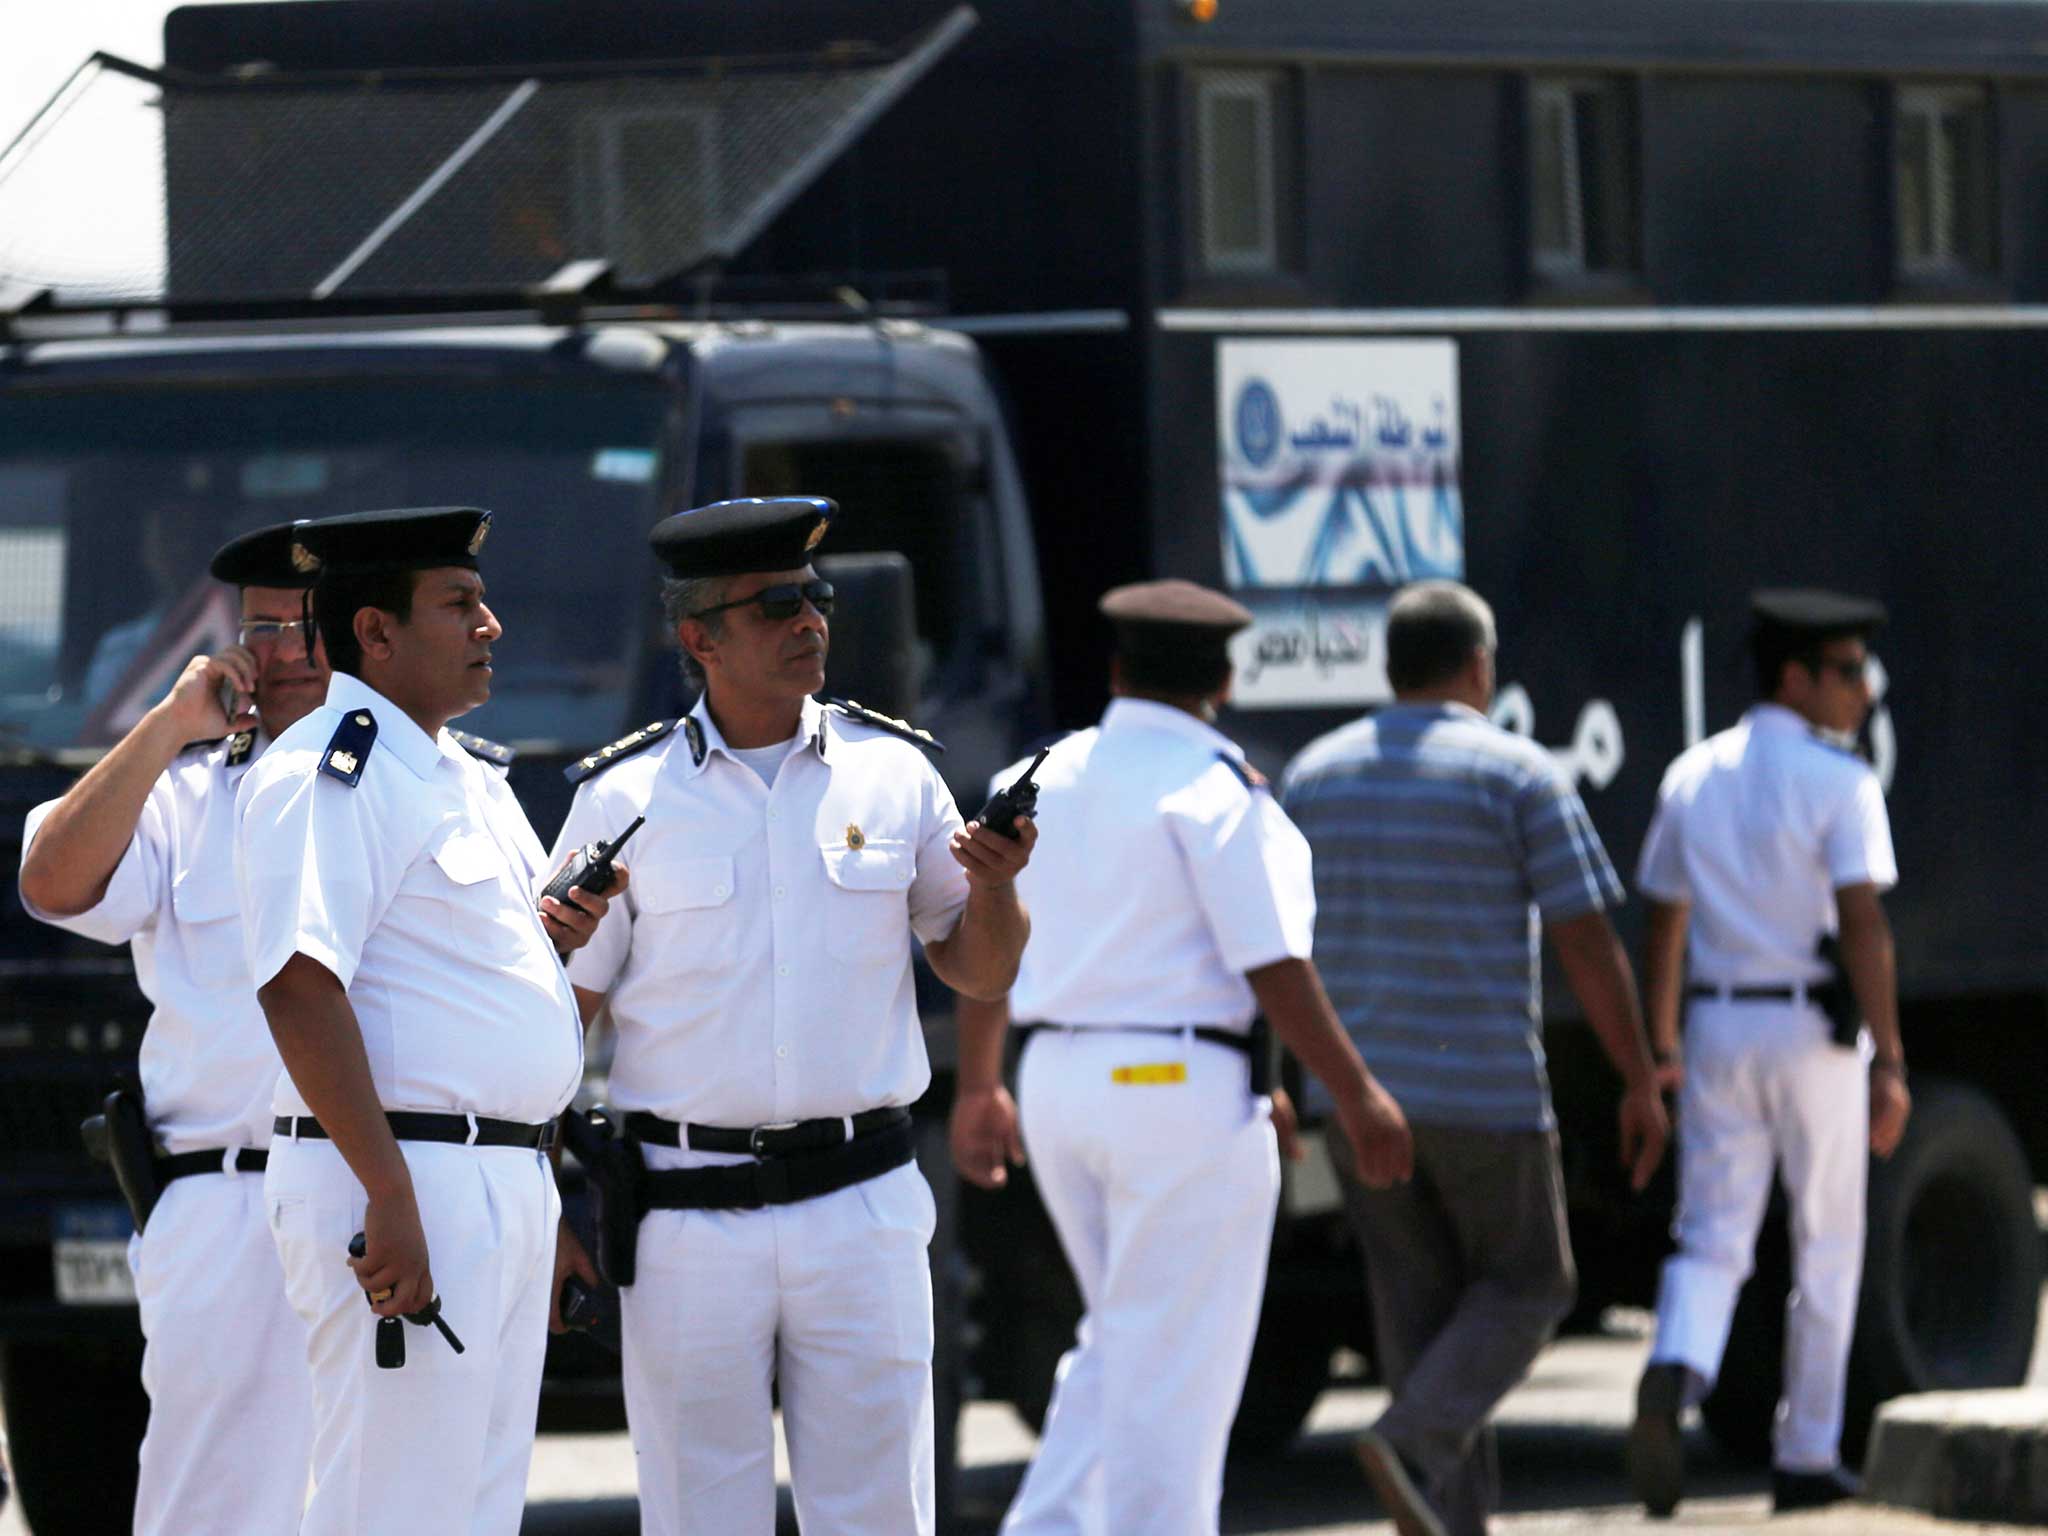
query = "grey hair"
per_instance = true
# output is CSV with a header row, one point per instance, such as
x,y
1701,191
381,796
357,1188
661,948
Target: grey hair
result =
x,y
681,598
1433,627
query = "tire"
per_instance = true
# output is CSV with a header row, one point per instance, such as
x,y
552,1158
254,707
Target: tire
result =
x,y
1951,1278
75,1415
1290,1366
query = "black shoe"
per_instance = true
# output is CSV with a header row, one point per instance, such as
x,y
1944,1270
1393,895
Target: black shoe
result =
x,y
1398,1482
1810,1490
1656,1455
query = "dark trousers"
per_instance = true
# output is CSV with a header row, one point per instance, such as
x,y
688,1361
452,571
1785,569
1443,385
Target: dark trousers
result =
x,y
1469,1267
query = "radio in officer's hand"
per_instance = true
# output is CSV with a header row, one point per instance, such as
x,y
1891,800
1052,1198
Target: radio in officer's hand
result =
x,y
1020,799
391,1330
590,867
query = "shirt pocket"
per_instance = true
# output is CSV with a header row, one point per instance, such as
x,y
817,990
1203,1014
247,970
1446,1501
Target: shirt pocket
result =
x,y
867,916
689,910
472,900
209,928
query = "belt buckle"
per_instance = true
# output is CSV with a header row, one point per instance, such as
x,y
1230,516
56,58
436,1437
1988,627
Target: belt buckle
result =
x,y
548,1131
756,1138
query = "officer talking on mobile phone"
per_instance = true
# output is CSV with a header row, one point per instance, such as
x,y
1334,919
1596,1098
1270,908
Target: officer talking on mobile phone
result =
x,y
141,851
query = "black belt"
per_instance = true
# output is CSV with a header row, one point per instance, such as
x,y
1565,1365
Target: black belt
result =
x,y
209,1160
1252,1046
1778,994
782,1180
762,1140
417,1125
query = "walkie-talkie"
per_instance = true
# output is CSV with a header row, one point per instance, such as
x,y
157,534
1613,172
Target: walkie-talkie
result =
x,y
1020,799
590,867
391,1330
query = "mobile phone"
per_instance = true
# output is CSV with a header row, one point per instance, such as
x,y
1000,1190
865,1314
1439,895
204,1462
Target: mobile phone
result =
x,y
226,695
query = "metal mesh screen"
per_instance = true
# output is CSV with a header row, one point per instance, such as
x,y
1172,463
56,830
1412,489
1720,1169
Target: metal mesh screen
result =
x,y
426,184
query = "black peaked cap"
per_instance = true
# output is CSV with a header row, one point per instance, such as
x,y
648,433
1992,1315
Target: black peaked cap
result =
x,y
1815,611
731,538
260,559
404,539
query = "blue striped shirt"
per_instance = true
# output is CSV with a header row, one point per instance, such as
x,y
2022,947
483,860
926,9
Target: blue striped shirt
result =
x,y
1441,843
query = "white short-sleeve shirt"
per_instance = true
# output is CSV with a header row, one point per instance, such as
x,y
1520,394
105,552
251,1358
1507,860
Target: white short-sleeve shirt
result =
x,y
1160,877
758,966
208,1066
1756,829
416,888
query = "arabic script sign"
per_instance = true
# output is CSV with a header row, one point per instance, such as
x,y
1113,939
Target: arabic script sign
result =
x,y
1339,462
1311,650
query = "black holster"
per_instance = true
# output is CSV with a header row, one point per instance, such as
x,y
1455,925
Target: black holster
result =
x,y
1264,1059
119,1134
618,1174
1834,996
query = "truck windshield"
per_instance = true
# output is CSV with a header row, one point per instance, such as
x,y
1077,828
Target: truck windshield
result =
x,y
112,500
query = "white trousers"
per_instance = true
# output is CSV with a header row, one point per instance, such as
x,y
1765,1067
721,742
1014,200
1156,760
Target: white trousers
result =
x,y
828,1301
443,1443
1163,1194
1765,1087
224,1362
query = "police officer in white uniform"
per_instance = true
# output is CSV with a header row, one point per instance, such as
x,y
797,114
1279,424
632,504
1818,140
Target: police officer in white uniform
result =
x,y
141,851
1768,838
769,1045
1179,904
428,1034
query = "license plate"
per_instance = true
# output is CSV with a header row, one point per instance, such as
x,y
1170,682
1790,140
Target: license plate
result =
x,y
90,1252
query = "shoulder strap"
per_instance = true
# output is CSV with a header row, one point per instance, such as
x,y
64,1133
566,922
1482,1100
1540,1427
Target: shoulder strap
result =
x,y
633,741
889,723
481,746
348,749
1250,776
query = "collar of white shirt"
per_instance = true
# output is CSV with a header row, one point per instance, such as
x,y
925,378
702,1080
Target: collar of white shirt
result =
x,y
1776,717
1146,715
810,728
397,732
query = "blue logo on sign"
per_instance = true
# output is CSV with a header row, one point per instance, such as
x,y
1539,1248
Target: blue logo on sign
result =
x,y
1258,423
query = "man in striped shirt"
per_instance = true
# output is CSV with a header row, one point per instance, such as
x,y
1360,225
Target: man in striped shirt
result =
x,y
1443,846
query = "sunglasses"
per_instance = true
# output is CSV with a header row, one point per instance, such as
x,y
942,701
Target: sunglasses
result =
x,y
780,603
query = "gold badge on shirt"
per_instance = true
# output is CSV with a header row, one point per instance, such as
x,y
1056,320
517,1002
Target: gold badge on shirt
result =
x,y
855,838
345,762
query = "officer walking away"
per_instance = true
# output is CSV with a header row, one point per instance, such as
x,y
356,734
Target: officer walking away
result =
x,y
1763,868
1178,904
768,1047
428,1034
141,851
1444,847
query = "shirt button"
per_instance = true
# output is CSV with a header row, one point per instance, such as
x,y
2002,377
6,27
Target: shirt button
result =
x,y
779,893
775,815
781,1050
782,970
719,891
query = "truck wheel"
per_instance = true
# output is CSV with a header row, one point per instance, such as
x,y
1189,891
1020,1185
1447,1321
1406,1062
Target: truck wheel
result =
x,y
1951,1278
1290,1367
75,1415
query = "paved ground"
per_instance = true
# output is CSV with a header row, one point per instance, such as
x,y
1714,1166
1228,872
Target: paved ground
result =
x,y
1561,1439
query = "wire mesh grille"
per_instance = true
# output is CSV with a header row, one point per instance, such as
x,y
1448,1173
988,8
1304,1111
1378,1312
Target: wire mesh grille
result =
x,y
136,187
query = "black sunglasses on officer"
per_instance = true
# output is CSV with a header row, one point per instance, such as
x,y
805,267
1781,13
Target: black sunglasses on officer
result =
x,y
781,602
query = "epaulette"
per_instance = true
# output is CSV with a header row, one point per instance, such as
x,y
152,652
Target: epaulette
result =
x,y
479,746
889,723
348,749
240,745
1252,778
624,747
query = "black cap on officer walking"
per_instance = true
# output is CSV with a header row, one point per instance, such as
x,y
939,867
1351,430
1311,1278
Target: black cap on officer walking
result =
x,y
1173,635
731,538
404,539
1813,613
259,559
